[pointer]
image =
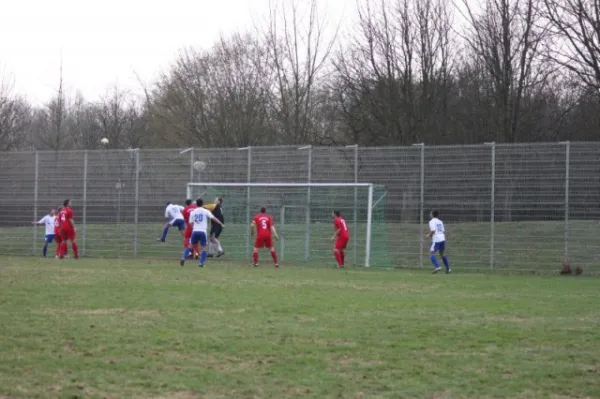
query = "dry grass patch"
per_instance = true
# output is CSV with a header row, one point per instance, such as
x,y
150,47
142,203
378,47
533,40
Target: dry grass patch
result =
x,y
100,312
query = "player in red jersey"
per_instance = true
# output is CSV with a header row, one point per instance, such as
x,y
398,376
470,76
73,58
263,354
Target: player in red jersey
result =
x,y
67,229
187,235
341,237
262,225
57,235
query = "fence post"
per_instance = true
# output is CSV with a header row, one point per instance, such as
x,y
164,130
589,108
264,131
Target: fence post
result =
x,y
369,226
35,201
492,204
308,193
421,202
248,196
355,232
84,218
136,217
567,173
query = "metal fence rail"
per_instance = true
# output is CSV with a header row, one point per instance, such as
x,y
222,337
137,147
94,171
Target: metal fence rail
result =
x,y
518,206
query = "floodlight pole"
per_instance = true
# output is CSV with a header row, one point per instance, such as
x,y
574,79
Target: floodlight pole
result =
x,y
192,157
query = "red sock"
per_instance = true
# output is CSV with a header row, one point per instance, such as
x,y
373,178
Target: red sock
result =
x,y
75,250
197,248
343,257
274,256
63,249
338,257
255,257
58,249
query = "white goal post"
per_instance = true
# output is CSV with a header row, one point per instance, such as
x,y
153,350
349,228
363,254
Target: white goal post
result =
x,y
244,199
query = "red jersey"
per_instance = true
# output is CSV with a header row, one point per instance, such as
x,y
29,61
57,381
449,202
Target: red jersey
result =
x,y
65,216
57,223
186,212
340,225
263,222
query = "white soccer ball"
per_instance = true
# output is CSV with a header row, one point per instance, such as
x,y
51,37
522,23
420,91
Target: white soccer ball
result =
x,y
104,141
199,165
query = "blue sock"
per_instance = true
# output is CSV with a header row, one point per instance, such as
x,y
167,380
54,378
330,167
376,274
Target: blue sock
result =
x,y
164,234
434,261
44,250
445,259
186,254
203,257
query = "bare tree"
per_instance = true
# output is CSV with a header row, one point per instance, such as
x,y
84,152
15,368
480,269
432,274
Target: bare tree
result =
x,y
218,97
15,116
393,77
50,128
507,37
299,51
118,118
177,103
82,125
238,89
576,23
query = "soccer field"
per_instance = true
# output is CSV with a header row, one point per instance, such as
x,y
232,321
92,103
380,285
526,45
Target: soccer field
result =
x,y
533,246
140,329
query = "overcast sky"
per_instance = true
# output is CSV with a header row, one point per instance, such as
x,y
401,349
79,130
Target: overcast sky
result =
x,y
103,42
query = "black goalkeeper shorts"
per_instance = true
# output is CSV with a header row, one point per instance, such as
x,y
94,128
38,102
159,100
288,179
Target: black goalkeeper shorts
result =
x,y
215,230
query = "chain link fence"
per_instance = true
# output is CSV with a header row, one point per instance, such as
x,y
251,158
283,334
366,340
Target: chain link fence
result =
x,y
511,207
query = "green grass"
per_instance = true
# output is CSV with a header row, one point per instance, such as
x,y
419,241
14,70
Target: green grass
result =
x,y
521,246
140,329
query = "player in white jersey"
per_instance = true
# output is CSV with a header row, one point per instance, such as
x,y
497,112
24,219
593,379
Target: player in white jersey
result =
x,y
437,233
48,222
173,213
199,221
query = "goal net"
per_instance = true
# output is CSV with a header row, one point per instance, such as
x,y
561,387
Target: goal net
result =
x,y
302,216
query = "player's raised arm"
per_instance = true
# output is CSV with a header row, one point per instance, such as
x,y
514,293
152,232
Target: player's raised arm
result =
x,y
39,222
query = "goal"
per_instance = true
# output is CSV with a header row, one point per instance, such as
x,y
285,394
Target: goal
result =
x,y
302,215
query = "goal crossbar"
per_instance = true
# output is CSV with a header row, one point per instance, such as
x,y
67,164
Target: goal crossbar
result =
x,y
368,186
221,184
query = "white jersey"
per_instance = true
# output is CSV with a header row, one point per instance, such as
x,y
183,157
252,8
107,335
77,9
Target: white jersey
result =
x,y
173,212
199,217
437,226
48,222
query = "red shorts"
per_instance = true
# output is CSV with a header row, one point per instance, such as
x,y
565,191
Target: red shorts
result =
x,y
67,234
265,241
187,234
341,242
57,236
